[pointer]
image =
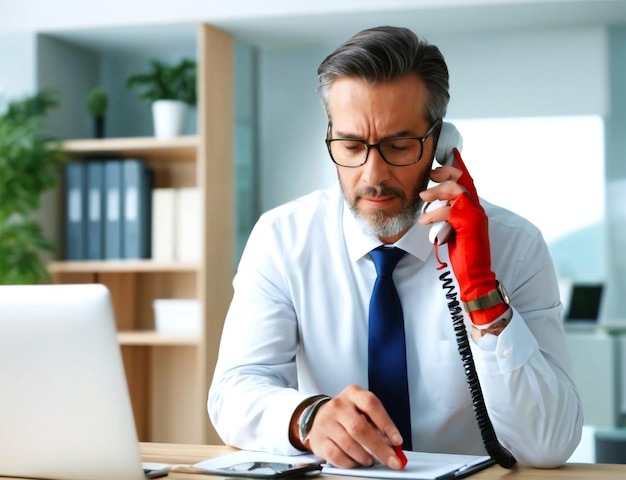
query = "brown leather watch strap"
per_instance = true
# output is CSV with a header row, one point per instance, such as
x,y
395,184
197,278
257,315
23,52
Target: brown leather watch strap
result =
x,y
294,433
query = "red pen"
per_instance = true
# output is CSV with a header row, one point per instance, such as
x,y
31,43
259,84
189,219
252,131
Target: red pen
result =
x,y
400,454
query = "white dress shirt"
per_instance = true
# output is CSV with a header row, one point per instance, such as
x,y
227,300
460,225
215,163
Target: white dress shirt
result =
x,y
298,326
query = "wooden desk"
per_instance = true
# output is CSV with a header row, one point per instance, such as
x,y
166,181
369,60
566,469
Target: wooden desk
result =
x,y
189,454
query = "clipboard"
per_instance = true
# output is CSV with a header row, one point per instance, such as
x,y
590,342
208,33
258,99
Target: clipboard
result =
x,y
420,465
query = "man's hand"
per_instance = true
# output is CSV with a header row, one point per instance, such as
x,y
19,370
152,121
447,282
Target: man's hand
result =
x,y
353,429
469,249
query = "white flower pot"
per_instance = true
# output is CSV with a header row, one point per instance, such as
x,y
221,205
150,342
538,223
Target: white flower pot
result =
x,y
169,118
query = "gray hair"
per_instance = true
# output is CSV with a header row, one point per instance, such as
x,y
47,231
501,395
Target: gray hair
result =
x,y
383,54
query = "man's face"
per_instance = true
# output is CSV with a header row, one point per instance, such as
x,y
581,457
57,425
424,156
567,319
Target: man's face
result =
x,y
383,197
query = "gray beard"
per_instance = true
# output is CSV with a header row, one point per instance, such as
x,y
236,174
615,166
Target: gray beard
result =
x,y
381,225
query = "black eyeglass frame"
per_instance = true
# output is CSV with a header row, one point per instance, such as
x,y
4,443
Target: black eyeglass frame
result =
x,y
368,146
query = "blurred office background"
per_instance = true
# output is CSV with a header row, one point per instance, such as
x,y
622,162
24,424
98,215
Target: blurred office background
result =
x,y
538,91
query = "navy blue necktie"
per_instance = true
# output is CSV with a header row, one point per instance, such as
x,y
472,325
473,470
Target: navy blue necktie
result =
x,y
387,373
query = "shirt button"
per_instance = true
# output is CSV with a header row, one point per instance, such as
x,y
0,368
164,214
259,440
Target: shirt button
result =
x,y
506,353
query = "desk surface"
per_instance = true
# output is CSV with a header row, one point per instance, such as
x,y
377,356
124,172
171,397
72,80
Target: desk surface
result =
x,y
189,454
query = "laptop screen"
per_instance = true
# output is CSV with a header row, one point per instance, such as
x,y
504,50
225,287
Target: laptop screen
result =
x,y
585,303
64,406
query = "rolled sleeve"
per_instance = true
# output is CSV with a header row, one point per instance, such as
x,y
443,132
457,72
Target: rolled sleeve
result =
x,y
511,350
530,396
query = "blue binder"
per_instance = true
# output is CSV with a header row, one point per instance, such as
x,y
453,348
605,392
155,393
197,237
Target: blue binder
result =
x,y
113,209
137,209
75,211
95,210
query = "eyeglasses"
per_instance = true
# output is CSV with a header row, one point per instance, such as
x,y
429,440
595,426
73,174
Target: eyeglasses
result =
x,y
397,151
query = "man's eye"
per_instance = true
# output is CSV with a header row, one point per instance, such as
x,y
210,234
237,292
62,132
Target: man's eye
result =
x,y
397,147
352,146
401,145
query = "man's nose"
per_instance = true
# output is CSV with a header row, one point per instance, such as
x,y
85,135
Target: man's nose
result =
x,y
375,170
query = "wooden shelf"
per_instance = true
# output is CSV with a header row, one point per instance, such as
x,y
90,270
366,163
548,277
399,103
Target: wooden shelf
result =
x,y
183,147
169,374
121,266
151,338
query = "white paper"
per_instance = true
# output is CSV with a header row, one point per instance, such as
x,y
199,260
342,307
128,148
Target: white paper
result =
x,y
188,243
163,223
420,466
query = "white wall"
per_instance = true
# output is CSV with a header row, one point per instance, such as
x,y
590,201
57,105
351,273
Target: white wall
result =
x,y
71,118
527,73
17,66
615,126
293,158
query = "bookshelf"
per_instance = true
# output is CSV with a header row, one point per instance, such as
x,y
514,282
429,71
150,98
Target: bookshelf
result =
x,y
183,146
169,374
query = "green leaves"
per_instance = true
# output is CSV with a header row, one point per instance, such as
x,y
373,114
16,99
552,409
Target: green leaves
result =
x,y
97,101
29,165
30,109
167,82
21,241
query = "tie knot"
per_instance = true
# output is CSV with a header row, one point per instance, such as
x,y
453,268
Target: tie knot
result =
x,y
385,259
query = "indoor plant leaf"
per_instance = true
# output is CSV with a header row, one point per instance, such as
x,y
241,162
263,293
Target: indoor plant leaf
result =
x,y
29,164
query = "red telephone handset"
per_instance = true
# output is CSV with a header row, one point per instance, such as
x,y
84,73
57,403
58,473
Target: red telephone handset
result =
x,y
449,139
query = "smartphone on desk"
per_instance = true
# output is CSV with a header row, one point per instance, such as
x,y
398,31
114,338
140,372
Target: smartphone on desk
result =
x,y
263,469
155,470
253,464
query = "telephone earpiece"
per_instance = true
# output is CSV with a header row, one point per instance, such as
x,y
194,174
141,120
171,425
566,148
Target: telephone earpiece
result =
x,y
449,138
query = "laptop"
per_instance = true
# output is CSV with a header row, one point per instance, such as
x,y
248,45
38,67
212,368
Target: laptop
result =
x,y
584,305
65,411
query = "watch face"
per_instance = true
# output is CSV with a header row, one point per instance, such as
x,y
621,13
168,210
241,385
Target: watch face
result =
x,y
503,293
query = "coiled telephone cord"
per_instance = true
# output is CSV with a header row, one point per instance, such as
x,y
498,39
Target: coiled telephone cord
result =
x,y
494,448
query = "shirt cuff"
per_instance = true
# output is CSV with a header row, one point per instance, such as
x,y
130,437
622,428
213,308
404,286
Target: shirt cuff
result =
x,y
502,354
276,420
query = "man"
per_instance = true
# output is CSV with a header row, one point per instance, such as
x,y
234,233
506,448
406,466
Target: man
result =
x,y
297,369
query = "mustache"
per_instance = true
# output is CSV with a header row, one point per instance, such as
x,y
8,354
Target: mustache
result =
x,y
379,191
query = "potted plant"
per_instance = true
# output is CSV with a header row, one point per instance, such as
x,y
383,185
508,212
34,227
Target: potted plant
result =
x,y
97,104
29,165
171,89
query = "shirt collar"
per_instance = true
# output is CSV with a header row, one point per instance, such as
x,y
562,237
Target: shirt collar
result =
x,y
359,244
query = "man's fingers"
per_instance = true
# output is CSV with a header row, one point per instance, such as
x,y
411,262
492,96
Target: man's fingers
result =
x,y
340,421
354,429
433,215
445,173
445,185
383,436
336,456
376,414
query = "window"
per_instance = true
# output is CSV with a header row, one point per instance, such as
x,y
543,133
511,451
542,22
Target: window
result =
x,y
550,170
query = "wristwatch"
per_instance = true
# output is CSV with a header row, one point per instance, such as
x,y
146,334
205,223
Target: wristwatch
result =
x,y
308,415
493,298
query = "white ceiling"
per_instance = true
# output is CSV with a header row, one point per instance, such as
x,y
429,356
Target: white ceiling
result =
x,y
429,21
330,26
